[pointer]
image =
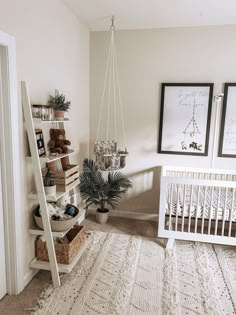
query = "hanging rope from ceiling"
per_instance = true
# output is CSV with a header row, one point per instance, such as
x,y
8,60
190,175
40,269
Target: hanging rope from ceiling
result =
x,y
108,156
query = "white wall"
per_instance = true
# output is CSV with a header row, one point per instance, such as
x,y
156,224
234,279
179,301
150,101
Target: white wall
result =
x,y
146,58
52,52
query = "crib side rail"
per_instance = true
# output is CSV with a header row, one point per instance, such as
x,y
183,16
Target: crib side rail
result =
x,y
200,210
199,173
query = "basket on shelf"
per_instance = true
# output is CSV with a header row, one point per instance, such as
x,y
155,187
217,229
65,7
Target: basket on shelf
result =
x,y
56,226
65,253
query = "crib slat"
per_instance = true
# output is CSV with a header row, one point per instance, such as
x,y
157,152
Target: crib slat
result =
x,y
210,211
190,207
170,212
224,212
196,217
184,200
217,210
231,211
177,209
203,210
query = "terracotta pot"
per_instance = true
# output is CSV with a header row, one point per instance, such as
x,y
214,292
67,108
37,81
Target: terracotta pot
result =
x,y
102,217
50,190
59,114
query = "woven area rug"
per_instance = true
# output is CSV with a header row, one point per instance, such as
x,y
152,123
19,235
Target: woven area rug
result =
x,y
129,275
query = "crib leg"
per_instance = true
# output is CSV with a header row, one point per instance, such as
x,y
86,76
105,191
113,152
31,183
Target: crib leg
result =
x,y
170,243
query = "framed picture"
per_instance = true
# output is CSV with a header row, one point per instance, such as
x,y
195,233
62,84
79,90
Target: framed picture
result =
x,y
40,142
185,118
227,145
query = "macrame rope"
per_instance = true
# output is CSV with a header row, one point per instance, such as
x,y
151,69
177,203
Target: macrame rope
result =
x,y
113,76
120,101
109,86
114,88
103,93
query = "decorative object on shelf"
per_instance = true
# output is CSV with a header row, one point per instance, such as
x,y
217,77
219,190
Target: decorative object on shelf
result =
x,y
227,145
60,105
49,185
44,112
66,177
54,166
185,118
64,200
94,189
65,251
108,156
58,143
60,220
40,142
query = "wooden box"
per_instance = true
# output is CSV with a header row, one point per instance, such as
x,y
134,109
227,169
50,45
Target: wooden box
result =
x,y
65,253
67,179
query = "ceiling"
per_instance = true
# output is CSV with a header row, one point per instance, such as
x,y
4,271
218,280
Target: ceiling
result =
x,y
145,14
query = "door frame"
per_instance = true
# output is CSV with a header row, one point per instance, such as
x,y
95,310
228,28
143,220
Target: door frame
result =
x,y
11,168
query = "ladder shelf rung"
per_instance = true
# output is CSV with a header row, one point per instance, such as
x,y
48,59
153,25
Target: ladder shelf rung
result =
x,y
40,121
51,158
50,198
38,264
34,230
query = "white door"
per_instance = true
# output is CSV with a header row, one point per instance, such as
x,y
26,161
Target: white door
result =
x,y
3,286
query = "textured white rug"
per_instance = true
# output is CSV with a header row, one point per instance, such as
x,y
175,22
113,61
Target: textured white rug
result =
x,y
128,275
199,279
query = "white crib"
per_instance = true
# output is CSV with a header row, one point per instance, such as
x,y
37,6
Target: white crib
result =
x,y
198,205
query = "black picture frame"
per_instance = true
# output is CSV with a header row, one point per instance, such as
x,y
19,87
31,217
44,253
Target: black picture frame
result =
x,y
227,140
201,91
40,142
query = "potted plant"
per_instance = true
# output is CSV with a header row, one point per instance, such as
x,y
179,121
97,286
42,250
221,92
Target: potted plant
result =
x,y
49,185
60,105
94,189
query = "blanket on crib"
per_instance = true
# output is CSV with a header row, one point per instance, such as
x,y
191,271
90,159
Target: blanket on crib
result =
x,y
210,203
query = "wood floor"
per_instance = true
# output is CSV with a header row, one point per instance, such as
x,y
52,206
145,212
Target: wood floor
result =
x,y
22,304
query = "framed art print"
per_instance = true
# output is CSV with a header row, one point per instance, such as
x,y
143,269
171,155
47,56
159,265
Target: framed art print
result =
x,y
185,118
227,145
40,142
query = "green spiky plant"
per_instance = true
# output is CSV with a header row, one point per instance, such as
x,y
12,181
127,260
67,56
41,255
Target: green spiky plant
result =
x,y
47,180
59,102
94,189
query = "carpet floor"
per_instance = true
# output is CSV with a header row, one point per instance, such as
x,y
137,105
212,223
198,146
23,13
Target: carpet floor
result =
x,y
130,275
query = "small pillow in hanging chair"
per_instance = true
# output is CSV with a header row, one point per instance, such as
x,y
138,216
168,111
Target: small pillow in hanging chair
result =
x,y
108,158
105,147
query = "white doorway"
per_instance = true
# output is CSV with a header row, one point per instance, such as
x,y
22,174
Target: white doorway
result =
x,y
3,282
11,255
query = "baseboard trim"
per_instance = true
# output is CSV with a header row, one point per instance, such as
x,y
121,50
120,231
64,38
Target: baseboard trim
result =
x,y
129,215
29,276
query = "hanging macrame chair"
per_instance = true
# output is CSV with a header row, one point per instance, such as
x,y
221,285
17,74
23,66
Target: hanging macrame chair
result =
x,y
109,156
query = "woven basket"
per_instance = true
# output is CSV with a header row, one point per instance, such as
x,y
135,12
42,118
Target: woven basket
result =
x,y
65,253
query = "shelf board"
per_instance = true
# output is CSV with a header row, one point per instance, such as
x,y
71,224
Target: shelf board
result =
x,y
51,198
37,264
37,231
51,158
40,121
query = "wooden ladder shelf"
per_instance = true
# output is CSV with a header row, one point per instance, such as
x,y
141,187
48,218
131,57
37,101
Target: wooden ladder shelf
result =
x,y
52,265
